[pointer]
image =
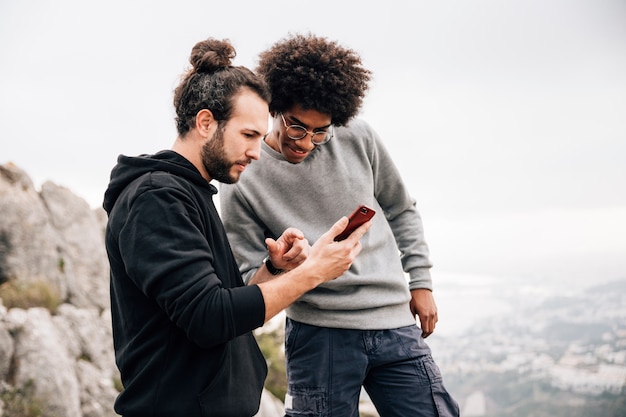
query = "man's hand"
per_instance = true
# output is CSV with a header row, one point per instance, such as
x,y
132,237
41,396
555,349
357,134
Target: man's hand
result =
x,y
423,305
332,258
326,260
289,251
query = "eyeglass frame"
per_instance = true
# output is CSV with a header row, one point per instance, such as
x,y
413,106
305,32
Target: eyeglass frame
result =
x,y
329,134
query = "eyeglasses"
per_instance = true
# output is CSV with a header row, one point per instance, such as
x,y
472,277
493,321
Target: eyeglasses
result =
x,y
297,132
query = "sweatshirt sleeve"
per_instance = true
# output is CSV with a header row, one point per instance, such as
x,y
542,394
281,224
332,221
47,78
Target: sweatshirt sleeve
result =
x,y
402,215
168,257
248,240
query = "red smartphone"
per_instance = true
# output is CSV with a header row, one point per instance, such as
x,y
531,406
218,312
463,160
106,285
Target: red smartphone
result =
x,y
357,218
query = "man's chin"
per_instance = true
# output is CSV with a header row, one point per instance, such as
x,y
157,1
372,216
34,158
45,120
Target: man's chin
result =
x,y
231,180
295,159
227,179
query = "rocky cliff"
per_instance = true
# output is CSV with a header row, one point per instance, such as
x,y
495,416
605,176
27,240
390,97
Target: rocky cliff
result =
x,y
56,353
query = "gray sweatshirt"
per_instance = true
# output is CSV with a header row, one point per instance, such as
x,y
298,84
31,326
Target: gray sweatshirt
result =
x,y
353,168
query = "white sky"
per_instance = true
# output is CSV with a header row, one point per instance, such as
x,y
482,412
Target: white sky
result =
x,y
507,118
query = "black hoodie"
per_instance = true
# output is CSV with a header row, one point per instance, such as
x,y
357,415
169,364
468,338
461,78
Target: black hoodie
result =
x,y
182,317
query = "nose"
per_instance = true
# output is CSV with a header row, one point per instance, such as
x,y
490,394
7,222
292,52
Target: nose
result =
x,y
306,143
255,151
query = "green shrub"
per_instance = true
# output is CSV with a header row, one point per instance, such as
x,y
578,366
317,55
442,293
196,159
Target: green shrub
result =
x,y
117,384
35,294
21,402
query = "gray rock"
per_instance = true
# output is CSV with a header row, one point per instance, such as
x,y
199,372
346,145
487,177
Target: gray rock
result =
x,y
7,348
30,248
43,360
52,237
80,237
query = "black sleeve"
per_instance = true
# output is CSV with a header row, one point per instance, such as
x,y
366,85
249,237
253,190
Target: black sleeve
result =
x,y
168,257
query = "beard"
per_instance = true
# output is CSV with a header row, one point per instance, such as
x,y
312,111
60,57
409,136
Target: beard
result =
x,y
214,158
215,161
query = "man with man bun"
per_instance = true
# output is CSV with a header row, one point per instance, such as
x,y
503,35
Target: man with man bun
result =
x,y
182,317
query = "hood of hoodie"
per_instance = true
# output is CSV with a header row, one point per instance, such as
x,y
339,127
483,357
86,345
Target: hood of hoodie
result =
x,y
129,168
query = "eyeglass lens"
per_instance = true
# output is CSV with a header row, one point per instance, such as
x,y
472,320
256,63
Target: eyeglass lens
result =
x,y
298,132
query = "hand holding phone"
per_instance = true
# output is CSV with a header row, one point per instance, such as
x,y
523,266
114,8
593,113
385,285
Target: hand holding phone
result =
x,y
359,216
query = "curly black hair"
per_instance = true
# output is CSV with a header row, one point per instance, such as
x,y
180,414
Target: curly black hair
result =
x,y
212,83
316,73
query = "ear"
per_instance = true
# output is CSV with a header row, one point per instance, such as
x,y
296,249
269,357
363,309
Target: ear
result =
x,y
205,122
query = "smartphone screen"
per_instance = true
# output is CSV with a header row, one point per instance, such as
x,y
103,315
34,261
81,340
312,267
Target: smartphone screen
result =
x,y
357,218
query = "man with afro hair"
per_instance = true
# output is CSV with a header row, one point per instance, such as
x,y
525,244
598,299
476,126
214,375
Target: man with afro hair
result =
x,y
320,162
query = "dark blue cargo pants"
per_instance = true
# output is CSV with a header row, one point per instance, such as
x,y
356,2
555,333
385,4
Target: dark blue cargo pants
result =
x,y
326,369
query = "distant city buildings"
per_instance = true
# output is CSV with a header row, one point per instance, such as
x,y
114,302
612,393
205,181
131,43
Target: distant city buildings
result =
x,y
574,345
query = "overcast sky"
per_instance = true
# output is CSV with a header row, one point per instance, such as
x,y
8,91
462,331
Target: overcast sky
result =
x,y
506,118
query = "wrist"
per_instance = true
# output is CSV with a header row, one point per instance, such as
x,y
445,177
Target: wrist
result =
x,y
271,268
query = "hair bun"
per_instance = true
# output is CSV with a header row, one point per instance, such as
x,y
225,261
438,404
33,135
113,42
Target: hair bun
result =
x,y
212,54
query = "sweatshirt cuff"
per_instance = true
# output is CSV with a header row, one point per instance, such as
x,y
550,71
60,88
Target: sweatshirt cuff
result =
x,y
250,306
419,279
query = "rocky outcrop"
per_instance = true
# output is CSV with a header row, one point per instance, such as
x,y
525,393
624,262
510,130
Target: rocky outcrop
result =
x,y
57,359
63,364
51,237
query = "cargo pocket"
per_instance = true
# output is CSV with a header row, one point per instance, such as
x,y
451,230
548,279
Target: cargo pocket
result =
x,y
306,402
445,404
